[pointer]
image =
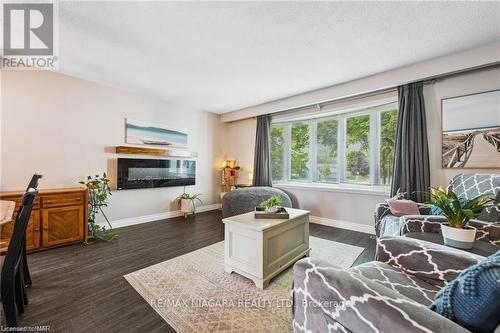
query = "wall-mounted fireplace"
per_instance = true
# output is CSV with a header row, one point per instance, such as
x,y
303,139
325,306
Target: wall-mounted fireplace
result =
x,y
136,173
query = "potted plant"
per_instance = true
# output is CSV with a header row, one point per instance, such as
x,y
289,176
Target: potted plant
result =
x,y
187,202
458,212
271,205
98,191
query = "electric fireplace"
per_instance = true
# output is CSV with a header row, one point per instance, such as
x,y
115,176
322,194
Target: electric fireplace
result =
x,y
136,173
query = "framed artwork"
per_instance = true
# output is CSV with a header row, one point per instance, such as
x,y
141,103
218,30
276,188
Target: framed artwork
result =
x,y
146,133
471,131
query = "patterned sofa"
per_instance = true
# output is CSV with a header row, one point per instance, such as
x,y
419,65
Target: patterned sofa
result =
x,y
390,294
465,186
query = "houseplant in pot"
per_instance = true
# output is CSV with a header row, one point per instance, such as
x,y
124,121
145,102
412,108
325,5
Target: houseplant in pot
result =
x,y
187,202
98,191
458,212
271,205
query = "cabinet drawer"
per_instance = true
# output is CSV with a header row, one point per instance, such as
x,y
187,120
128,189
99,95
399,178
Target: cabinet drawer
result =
x,y
17,200
60,200
32,233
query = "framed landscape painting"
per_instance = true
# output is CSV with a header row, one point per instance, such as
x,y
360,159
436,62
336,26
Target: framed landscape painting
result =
x,y
471,131
146,133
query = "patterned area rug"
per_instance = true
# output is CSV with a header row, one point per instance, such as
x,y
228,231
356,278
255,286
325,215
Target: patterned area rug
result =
x,y
194,294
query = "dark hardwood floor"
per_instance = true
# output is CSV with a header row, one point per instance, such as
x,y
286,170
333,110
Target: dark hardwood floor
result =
x,y
80,288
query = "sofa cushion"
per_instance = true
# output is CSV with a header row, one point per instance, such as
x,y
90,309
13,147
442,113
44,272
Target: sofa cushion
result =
x,y
399,281
403,207
471,300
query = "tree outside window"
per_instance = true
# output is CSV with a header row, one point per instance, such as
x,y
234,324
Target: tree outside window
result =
x,y
358,150
299,151
326,151
277,152
388,123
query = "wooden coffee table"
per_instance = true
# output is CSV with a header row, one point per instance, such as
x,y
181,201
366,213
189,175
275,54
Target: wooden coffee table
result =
x,y
260,249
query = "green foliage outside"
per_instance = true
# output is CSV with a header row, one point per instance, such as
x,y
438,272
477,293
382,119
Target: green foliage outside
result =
x,y
327,150
388,122
277,152
358,149
299,151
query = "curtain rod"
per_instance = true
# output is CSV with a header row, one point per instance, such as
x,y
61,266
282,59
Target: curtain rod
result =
x,y
428,80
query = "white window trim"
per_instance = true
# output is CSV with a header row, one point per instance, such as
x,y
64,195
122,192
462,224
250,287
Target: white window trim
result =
x,y
340,186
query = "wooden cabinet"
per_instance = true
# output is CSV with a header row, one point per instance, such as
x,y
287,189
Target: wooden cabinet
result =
x,y
61,225
59,217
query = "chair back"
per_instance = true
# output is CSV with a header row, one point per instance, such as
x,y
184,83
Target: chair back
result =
x,y
13,255
34,182
471,185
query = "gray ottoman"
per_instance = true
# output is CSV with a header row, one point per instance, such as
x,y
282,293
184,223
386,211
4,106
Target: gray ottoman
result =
x,y
244,200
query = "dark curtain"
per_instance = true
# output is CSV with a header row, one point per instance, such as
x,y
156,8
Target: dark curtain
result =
x,y
262,159
411,157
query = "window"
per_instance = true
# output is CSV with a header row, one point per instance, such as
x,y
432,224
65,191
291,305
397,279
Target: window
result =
x,y
353,148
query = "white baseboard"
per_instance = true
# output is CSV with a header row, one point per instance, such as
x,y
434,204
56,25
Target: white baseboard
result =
x,y
155,217
368,229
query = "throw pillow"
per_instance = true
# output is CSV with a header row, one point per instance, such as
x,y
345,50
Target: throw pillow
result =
x,y
403,207
471,299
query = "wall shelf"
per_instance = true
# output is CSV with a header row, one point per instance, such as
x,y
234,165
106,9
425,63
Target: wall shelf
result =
x,y
154,151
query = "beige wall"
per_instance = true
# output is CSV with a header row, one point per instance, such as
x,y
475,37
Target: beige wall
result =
x,y
64,128
357,207
239,145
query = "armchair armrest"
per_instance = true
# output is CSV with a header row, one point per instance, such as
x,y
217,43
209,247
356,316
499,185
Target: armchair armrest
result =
x,y
327,298
436,264
421,223
487,231
382,212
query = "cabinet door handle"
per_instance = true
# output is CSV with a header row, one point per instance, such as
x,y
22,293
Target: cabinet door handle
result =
x,y
37,229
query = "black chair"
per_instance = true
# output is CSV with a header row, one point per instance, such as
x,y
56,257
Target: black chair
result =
x,y
12,279
26,272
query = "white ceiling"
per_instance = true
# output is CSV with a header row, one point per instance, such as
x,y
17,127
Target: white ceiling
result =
x,y
223,56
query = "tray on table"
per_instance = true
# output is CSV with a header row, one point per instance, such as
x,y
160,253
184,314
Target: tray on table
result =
x,y
260,213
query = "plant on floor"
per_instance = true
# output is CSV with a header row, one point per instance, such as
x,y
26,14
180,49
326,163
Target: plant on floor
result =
x,y
457,211
271,204
186,200
98,191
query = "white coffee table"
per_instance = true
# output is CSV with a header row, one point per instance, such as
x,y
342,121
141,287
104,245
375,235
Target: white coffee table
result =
x,y
260,249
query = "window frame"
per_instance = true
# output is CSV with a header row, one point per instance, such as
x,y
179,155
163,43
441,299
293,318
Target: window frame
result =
x,y
374,135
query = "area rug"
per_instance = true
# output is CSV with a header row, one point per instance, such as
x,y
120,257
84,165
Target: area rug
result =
x,y
192,293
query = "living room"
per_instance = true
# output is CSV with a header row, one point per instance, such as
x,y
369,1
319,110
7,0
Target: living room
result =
x,y
250,166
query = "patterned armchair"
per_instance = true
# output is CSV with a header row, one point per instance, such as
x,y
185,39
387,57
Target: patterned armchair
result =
x,y
466,186
390,294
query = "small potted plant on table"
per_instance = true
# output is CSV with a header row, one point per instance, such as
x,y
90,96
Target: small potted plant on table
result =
x,y
271,205
458,212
